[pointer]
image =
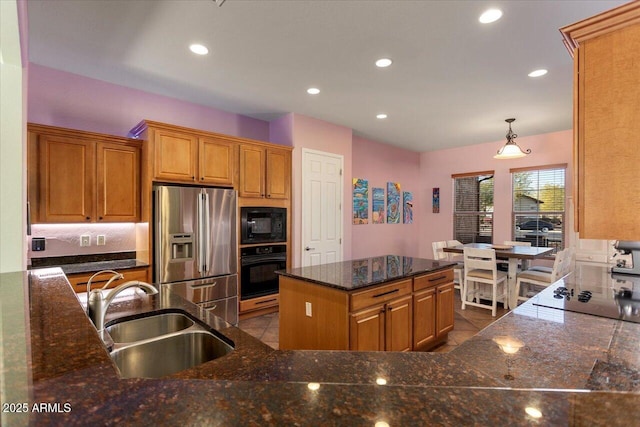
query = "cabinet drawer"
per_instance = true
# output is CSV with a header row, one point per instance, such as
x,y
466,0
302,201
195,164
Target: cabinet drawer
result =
x,y
259,303
432,279
380,294
79,281
200,291
586,257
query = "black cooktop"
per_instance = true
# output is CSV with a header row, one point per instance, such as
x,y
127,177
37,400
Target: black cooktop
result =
x,y
615,296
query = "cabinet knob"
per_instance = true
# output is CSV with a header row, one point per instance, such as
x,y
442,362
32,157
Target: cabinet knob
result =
x,y
202,178
100,218
88,218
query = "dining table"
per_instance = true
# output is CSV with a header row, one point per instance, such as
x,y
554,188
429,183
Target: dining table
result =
x,y
513,254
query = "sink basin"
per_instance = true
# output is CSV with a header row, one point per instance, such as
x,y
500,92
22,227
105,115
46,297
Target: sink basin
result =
x,y
168,355
148,327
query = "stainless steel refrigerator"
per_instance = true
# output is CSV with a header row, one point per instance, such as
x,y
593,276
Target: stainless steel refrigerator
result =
x,y
195,246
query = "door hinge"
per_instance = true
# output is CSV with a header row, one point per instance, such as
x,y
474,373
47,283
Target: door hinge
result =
x,y
340,240
340,172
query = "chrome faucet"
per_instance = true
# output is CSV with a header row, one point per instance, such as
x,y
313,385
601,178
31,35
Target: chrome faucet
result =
x,y
98,303
116,276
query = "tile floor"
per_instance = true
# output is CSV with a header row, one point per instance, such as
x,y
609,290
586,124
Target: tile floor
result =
x,y
468,322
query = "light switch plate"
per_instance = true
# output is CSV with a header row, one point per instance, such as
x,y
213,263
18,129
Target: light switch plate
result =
x,y
307,308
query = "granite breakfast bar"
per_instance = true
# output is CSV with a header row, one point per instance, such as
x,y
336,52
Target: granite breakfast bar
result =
x,y
574,370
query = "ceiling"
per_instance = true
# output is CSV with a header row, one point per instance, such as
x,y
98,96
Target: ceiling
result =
x,y
452,83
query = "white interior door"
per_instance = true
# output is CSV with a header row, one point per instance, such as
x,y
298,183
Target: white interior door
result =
x,y
321,207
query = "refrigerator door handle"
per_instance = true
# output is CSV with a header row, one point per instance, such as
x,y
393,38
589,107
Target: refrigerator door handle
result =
x,y
207,230
199,236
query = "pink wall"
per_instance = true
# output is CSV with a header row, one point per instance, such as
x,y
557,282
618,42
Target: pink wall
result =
x,y
379,164
307,132
69,100
438,166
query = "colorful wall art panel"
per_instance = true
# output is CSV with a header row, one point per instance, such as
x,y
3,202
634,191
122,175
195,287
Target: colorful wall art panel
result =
x,y
393,203
436,200
377,205
407,212
360,201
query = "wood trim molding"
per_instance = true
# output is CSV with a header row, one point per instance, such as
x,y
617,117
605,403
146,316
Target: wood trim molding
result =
x,y
605,22
537,168
469,174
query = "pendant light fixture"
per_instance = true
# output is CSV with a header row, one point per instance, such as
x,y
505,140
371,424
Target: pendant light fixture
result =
x,y
511,150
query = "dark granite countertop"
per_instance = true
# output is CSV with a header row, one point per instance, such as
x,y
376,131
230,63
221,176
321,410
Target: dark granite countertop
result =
x,y
574,369
360,273
77,264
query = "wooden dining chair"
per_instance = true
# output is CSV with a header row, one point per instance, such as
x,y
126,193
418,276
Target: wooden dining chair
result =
x,y
439,253
534,276
480,267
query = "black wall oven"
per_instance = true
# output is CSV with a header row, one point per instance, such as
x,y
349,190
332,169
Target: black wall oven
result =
x,y
258,265
263,225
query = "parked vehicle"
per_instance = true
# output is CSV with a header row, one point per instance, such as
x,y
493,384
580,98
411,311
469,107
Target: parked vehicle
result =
x,y
543,226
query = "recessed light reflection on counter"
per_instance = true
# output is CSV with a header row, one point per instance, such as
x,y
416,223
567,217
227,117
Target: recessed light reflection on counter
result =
x,y
381,381
533,412
381,424
538,73
313,386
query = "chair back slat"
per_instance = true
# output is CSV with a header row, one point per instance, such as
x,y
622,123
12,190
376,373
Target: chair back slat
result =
x,y
481,259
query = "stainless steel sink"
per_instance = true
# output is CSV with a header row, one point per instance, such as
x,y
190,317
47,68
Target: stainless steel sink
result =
x,y
148,327
162,343
164,356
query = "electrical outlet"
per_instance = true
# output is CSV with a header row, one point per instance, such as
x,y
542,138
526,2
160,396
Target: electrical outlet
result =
x,y
85,240
102,240
307,308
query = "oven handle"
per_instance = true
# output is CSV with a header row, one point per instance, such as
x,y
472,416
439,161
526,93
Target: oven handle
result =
x,y
260,259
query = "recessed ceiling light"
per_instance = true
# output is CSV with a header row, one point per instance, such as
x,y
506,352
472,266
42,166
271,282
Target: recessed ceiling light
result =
x,y
383,62
313,91
489,16
198,49
381,116
538,73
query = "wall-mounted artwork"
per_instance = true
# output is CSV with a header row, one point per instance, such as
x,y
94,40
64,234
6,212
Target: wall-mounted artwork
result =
x,y
436,200
377,205
360,201
407,212
393,203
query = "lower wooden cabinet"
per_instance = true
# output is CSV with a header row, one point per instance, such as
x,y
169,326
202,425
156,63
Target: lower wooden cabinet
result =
x,y
411,314
382,327
79,281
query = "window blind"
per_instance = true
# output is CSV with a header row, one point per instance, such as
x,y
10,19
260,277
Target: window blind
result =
x,y
473,209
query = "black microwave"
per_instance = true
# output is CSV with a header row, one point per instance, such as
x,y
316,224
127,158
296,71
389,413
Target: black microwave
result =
x,y
263,225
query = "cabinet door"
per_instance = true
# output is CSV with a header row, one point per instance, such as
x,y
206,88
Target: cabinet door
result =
x,y
399,324
424,318
444,308
67,184
252,171
278,171
367,329
216,161
175,156
608,111
118,183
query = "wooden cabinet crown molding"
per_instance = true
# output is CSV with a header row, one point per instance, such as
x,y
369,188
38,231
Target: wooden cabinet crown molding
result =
x,y
605,22
144,125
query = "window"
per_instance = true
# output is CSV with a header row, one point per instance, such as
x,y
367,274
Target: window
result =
x,y
473,210
539,206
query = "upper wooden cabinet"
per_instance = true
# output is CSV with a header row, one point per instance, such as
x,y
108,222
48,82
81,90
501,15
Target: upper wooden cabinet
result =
x,y
606,51
264,172
190,157
77,176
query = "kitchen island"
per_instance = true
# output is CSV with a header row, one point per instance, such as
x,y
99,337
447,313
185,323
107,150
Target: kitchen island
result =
x,y
574,369
390,302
